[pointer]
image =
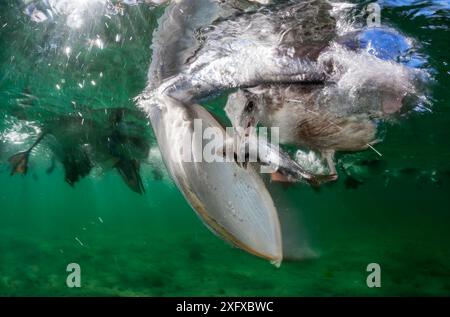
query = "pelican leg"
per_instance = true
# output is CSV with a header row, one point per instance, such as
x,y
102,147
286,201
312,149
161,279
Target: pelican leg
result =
x,y
328,155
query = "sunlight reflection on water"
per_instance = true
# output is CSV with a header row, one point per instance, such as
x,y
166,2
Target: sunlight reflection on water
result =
x,y
75,11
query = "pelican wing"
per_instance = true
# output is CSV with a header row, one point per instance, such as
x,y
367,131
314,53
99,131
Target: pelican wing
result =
x,y
274,44
174,40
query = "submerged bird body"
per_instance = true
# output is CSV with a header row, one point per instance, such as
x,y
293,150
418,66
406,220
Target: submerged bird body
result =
x,y
231,200
81,142
339,114
202,49
302,120
305,120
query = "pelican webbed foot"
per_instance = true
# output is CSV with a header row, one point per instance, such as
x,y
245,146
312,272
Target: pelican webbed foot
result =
x,y
19,162
129,171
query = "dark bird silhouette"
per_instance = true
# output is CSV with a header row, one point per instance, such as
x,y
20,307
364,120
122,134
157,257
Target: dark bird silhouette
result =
x,y
112,138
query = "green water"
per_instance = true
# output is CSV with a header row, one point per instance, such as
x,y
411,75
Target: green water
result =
x,y
395,214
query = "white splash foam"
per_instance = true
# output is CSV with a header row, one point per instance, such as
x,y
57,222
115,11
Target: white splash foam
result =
x,y
310,161
340,12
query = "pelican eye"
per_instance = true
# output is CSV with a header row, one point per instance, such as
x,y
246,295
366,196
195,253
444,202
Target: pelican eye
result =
x,y
249,106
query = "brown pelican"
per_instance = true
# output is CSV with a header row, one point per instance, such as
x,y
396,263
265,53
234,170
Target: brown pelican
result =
x,y
233,48
232,201
340,114
202,48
